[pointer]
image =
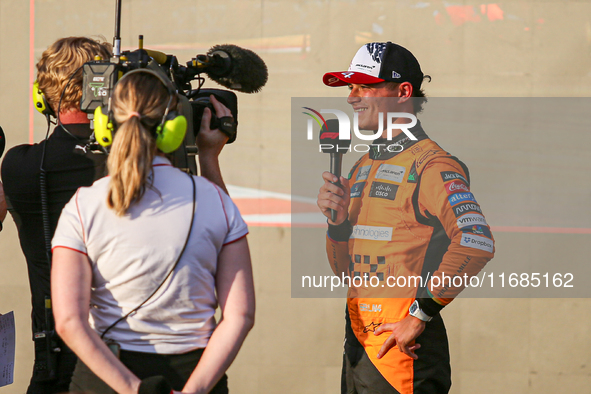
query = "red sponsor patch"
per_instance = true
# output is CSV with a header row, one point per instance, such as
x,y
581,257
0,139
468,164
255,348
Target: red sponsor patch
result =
x,y
456,186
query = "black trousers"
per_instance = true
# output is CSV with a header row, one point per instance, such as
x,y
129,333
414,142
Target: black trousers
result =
x,y
176,368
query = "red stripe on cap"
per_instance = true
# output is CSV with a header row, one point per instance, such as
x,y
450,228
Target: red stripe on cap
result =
x,y
342,78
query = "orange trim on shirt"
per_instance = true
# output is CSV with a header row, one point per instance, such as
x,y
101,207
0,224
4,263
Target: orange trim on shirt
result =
x,y
66,247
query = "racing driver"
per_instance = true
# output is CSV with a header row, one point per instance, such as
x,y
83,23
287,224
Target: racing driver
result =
x,y
406,210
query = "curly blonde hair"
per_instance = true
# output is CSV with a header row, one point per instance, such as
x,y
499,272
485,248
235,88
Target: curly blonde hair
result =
x,y
57,64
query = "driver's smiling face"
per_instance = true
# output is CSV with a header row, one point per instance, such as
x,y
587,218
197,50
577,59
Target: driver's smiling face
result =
x,y
368,100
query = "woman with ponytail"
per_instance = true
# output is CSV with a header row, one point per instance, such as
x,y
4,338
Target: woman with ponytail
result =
x,y
143,257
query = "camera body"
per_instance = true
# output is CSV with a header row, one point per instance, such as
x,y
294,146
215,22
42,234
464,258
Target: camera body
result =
x,y
200,101
100,77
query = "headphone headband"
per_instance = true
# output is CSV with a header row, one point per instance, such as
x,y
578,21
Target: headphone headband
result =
x,y
169,134
165,81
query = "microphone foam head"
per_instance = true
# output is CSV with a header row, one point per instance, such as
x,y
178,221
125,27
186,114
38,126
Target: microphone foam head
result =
x,y
329,138
2,141
248,72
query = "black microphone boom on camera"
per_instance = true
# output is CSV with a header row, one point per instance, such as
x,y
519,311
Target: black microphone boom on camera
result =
x,y
2,141
233,67
331,143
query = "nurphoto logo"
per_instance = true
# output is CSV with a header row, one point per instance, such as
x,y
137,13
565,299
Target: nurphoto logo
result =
x,y
344,132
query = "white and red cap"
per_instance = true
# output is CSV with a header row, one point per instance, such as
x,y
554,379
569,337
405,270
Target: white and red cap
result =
x,y
378,62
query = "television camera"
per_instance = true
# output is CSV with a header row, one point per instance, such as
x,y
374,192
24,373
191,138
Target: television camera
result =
x,y
229,65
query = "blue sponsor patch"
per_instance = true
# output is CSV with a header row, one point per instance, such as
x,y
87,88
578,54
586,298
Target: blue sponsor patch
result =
x,y
457,198
357,189
478,230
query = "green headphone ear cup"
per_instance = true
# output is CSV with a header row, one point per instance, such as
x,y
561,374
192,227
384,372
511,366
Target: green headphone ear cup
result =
x,y
103,128
172,134
40,102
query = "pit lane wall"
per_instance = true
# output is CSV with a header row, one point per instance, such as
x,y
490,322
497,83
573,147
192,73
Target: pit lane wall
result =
x,y
470,48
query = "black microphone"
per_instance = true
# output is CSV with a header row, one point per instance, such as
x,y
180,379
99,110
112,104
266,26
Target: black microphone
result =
x,y
330,143
235,68
2,141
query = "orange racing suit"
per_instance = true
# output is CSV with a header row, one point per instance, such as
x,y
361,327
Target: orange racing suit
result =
x,y
412,218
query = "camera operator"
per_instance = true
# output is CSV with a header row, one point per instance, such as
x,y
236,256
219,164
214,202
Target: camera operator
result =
x,y
65,172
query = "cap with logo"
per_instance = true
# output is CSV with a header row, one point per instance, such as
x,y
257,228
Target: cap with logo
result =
x,y
378,62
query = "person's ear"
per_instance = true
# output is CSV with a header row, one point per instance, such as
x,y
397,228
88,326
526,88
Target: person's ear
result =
x,y
405,89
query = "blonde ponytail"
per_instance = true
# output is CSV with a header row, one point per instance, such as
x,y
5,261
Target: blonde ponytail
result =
x,y
138,103
130,164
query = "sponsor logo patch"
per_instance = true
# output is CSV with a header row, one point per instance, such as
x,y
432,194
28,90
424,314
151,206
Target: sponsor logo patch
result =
x,y
357,189
477,242
456,186
372,233
478,230
470,220
370,308
391,172
452,176
371,327
466,207
383,190
457,198
363,173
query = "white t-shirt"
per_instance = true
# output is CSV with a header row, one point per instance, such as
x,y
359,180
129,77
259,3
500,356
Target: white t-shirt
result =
x,y
131,255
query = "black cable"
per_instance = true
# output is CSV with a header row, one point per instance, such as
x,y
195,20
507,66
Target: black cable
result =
x,y
51,347
45,199
43,173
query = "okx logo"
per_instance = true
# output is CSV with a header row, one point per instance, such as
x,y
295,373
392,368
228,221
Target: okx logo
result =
x,y
343,131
